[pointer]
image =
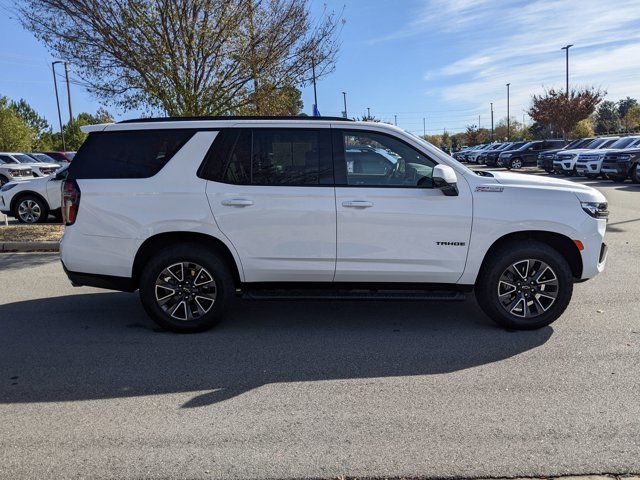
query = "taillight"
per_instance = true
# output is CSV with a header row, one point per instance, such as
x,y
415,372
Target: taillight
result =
x,y
70,201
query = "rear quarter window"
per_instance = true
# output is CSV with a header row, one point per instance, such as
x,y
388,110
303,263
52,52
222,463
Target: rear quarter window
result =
x,y
126,154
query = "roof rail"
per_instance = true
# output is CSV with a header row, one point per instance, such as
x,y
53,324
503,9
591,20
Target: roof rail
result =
x,y
191,119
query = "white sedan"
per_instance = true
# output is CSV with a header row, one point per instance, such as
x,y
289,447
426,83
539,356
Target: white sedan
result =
x,y
34,200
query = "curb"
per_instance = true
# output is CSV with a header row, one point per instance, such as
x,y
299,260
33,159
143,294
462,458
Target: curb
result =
x,y
29,247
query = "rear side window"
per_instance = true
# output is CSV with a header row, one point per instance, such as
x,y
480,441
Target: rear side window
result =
x,y
276,157
128,154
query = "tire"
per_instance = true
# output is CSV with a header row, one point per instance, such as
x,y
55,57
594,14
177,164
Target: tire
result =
x,y
592,176
30,209
182,312
494,278
635,173
568,173
515,164
549,170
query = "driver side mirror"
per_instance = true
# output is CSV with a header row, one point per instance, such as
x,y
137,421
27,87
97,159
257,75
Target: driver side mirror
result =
x,y
445,178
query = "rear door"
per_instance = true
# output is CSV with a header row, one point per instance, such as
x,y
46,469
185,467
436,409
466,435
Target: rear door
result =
x,y
271,192
393,226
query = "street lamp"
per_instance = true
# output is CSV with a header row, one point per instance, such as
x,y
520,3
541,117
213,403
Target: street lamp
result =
x,y
492,121
508,129
55,86
566,48
344,98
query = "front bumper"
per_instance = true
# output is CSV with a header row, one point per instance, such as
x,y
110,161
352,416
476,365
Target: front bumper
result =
x,y
562,165
616,168
588,168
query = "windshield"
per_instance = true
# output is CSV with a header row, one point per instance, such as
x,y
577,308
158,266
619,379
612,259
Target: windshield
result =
x,y
608,142
622,143
41,157
25,159
596,143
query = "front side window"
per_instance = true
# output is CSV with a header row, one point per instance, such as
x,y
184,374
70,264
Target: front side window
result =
x,y
375,160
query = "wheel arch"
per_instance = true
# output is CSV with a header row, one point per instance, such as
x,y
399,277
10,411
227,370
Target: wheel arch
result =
x,y
559,242
161,240
27,193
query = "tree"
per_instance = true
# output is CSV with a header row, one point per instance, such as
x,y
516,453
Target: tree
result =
x,y
39,126
563,112
583,129
186,57
268,100
607,118
15,134
475,136
631,120
73,135
517,130
625,104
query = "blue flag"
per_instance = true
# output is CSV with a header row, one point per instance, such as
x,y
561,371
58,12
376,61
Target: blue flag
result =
x,y
316,112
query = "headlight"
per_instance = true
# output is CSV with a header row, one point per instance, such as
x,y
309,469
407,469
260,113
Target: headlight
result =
x,y
595,209
7,186
623,158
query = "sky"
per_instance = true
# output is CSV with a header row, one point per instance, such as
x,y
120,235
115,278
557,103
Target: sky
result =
x,y
433,63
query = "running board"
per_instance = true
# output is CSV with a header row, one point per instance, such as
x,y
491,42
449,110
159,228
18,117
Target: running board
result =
x,y
403,295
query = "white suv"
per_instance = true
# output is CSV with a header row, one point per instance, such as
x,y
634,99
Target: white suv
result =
x,y
194,211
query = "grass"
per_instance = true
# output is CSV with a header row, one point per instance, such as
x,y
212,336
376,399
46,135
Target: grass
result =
x,y
31,233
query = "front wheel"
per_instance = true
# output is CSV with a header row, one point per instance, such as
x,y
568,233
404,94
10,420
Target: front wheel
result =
x,y
635,173
515,164
617,178
186,288
525,287
30,209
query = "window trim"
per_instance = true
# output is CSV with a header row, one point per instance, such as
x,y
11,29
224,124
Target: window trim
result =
x,y
329,164
340,164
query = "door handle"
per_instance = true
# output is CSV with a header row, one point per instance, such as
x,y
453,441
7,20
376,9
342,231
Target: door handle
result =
x,y
357,204
237,202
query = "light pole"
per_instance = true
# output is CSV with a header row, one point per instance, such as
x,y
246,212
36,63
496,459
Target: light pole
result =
x,y
424,127
316,112
344,98
395,120
55,86
508,129
368,113
566,48
492,121
66,74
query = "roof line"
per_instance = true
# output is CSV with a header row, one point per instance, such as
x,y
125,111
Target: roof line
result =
x,y
191,119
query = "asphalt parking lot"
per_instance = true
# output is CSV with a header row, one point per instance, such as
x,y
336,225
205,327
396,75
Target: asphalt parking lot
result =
x,y
90,388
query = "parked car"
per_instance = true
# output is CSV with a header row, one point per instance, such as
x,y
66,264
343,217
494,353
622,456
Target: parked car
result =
x,y
38,169
61,157
41,157
490,158
494,147
192,212
589,163
471,154
527,154
565,161
33,201
545,159
12,171
618,165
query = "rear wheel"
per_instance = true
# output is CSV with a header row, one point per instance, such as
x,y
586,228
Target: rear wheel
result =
x,y
30,209
186,288
525,287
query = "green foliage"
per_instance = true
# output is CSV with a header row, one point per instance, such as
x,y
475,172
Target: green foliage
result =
x,y
15,134
625,104
583,129
607,118
631,120
517,131
73,136
269,100
40,128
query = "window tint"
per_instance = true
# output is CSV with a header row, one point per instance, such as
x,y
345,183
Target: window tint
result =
x,y
130,154
373,159
270,157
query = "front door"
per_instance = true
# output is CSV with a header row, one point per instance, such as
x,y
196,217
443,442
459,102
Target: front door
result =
x,y
275,201
393,225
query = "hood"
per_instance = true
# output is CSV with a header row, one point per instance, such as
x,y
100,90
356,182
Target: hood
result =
x,y
583,192
43,165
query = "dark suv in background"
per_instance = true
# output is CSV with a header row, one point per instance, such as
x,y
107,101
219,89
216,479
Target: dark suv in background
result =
x,y
491,157
621,164
528,153
545,159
